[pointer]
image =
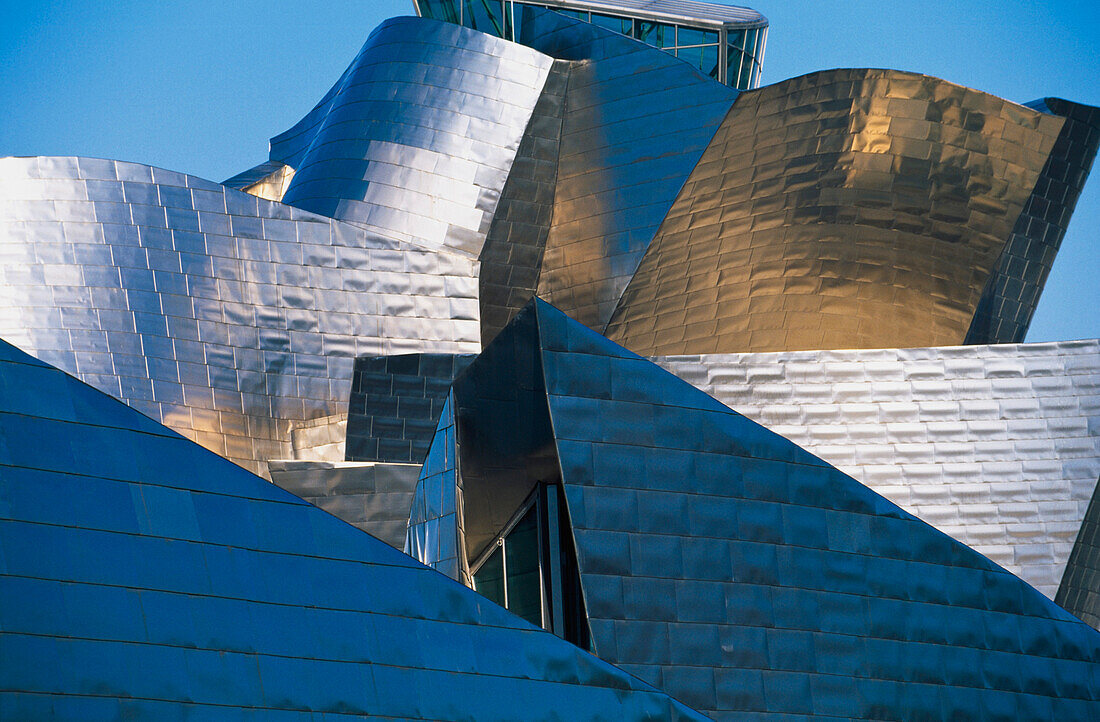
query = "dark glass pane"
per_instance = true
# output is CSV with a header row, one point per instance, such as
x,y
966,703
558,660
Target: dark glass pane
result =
x,y
750,42
694,36
484,15
619,25
521,549
736,38
705,58
658,35
446,10
489,579
578,14
745,80
733,64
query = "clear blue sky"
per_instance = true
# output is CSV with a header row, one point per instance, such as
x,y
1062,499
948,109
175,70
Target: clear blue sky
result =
x,y
199,86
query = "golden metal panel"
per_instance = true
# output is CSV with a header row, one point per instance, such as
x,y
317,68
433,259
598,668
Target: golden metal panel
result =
x,y
888,196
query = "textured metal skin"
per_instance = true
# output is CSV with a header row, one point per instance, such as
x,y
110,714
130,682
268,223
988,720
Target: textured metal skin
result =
x,y
1012,292
156,581
268,180
224,316
998,446
373,497
395,405
1079,591
746,577
635,124
416,139
842,209
512,256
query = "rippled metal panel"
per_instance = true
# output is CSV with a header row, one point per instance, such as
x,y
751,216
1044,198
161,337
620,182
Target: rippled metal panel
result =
x,y
416,139
222,315
145,578
512,255
998,446
636,122
1012,292
744,576
842,209
395,405
1079,591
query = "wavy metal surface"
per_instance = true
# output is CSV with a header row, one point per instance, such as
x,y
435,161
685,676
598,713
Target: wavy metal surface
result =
x,y
416,139
1079,591
157,581
744,576
223,316
636,122
1012,292
842,209
998,446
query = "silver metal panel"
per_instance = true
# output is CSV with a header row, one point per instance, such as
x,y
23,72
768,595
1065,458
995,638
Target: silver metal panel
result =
x,y
222,315
998,446
417,138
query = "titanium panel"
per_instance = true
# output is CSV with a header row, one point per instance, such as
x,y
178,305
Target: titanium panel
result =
x,y
416,139
268,180
997,446
145,578
222,315
636,122
1012,292
841,209
746,577
1079,591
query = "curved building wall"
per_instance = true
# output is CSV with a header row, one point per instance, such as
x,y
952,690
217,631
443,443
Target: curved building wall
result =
x,y
416,139
842,209
224,316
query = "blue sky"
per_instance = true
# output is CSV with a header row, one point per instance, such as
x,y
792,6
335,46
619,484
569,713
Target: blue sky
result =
x,y
199,86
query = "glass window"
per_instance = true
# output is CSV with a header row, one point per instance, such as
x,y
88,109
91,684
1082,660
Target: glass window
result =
x,y
658,35
578,14
445,10
694,36
745,81
523,576
484,15
617,24
733,64
736,39
489,579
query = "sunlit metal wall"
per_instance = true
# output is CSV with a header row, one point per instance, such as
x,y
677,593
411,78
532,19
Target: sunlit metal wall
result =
x,y
998,446
145,578
842,209
222,315
416,139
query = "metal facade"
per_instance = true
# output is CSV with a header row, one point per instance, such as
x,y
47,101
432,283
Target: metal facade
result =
x,y
998,446
743,575
1080,588
157,581
842,209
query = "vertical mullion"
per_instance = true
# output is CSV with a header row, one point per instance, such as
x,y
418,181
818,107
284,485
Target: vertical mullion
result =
x,y
554,534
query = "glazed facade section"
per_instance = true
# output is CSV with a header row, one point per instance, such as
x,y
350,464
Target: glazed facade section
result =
x,y
723,42
158,581
730,568
997,446
843,209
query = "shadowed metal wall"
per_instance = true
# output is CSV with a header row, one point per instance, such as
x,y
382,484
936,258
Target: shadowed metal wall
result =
x,y
416,139
842,209
1012,292
636,121
222,315
145,578
1080,588
998,446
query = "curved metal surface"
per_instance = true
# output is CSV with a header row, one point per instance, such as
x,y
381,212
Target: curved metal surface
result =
x,y
224,316
1079,591
842,209
416,139
155,581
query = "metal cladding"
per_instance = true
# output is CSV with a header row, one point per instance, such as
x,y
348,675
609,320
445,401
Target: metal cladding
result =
x,y
737,572
998,446
268,180
158,581
842,209
1012,293
416,139
224,316
1080,588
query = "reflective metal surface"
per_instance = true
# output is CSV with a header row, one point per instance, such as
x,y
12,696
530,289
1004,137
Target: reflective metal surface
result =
x,y
268,180
842,209
416,139
743,575
998,446
1012,292
156,581
222,315
1079,591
